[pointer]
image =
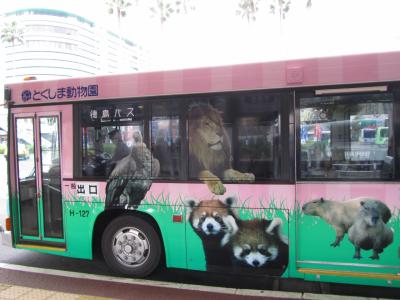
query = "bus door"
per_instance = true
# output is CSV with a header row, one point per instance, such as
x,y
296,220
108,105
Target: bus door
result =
x,y
38,175
345,184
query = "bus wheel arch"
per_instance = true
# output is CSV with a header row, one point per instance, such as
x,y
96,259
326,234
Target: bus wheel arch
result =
x,y
133,231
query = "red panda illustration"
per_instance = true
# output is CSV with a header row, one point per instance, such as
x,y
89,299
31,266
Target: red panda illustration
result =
x,y
258,245
214,221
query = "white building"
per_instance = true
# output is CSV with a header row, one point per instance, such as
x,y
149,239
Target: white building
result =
x,y
58,44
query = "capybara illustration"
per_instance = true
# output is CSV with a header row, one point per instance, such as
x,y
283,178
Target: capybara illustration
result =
x,y
369,230
341,215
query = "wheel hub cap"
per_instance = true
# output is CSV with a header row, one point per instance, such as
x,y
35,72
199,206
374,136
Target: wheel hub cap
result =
x,y
131,247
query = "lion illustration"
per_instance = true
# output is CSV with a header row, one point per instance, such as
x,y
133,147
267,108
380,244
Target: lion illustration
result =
x,y
210,149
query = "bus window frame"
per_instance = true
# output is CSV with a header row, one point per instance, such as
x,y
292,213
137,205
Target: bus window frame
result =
x,y
393,88
184,150
287,167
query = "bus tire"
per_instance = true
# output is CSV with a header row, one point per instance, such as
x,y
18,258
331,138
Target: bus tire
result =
x,y
131,246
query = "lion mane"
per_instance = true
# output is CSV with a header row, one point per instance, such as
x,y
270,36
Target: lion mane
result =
x,y
202,155
210,149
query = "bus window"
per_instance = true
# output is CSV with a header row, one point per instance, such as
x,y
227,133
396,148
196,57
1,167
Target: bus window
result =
x,y
346,137
51,176
27,200
108,134
166,138
258,136
243,134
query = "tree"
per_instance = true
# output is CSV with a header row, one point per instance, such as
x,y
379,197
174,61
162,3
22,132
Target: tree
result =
x,y
12,34
118,7
282,6
164,9
248,9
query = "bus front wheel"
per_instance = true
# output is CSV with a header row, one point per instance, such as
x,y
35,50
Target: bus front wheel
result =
x,y
131,246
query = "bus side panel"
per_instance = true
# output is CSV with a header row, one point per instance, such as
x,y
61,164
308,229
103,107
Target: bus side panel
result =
x,y
169,217
12,188
249,212
82,203
80,217
259,212
85,201
325,208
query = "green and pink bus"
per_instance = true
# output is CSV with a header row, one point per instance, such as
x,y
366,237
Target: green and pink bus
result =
x,y
254,169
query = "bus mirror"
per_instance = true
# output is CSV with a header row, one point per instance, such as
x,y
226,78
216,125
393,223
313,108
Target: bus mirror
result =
x,y
7,94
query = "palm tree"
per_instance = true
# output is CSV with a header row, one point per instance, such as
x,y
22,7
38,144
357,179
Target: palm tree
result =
x,y
248,9
185,6
12,34
282,6
118,7
163,9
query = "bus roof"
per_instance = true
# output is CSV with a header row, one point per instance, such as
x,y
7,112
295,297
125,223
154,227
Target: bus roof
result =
x,y
326,71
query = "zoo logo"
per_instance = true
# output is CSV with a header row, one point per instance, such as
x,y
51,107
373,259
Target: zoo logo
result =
x,y
26,95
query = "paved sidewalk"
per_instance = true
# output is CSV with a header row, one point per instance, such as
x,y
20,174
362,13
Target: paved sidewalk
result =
x,y
8,292
11,292
30,283
20,292
21,282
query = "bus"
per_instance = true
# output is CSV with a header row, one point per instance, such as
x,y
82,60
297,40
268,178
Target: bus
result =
x,y
368,135
381,135
213,169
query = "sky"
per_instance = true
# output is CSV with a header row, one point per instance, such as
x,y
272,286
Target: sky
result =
x,y
213,34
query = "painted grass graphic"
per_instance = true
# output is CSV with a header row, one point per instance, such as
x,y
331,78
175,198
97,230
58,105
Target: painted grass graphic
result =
x,y
265,209
95,206
162,207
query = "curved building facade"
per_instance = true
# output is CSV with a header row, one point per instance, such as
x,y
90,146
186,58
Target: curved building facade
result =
x,y
58,44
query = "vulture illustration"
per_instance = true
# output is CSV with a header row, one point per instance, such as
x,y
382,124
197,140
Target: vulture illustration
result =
x,y
130,180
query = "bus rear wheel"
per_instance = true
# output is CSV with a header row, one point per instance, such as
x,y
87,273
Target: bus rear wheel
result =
x,y
131,246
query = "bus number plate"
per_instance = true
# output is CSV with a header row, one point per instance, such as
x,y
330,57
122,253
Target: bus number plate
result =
x,y
79,213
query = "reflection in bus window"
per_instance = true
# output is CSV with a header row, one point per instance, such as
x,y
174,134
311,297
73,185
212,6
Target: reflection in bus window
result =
x,y
26,167
104,147
166,145
257,140
256,135
346,137
51,177
246,129
166,139
108,134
